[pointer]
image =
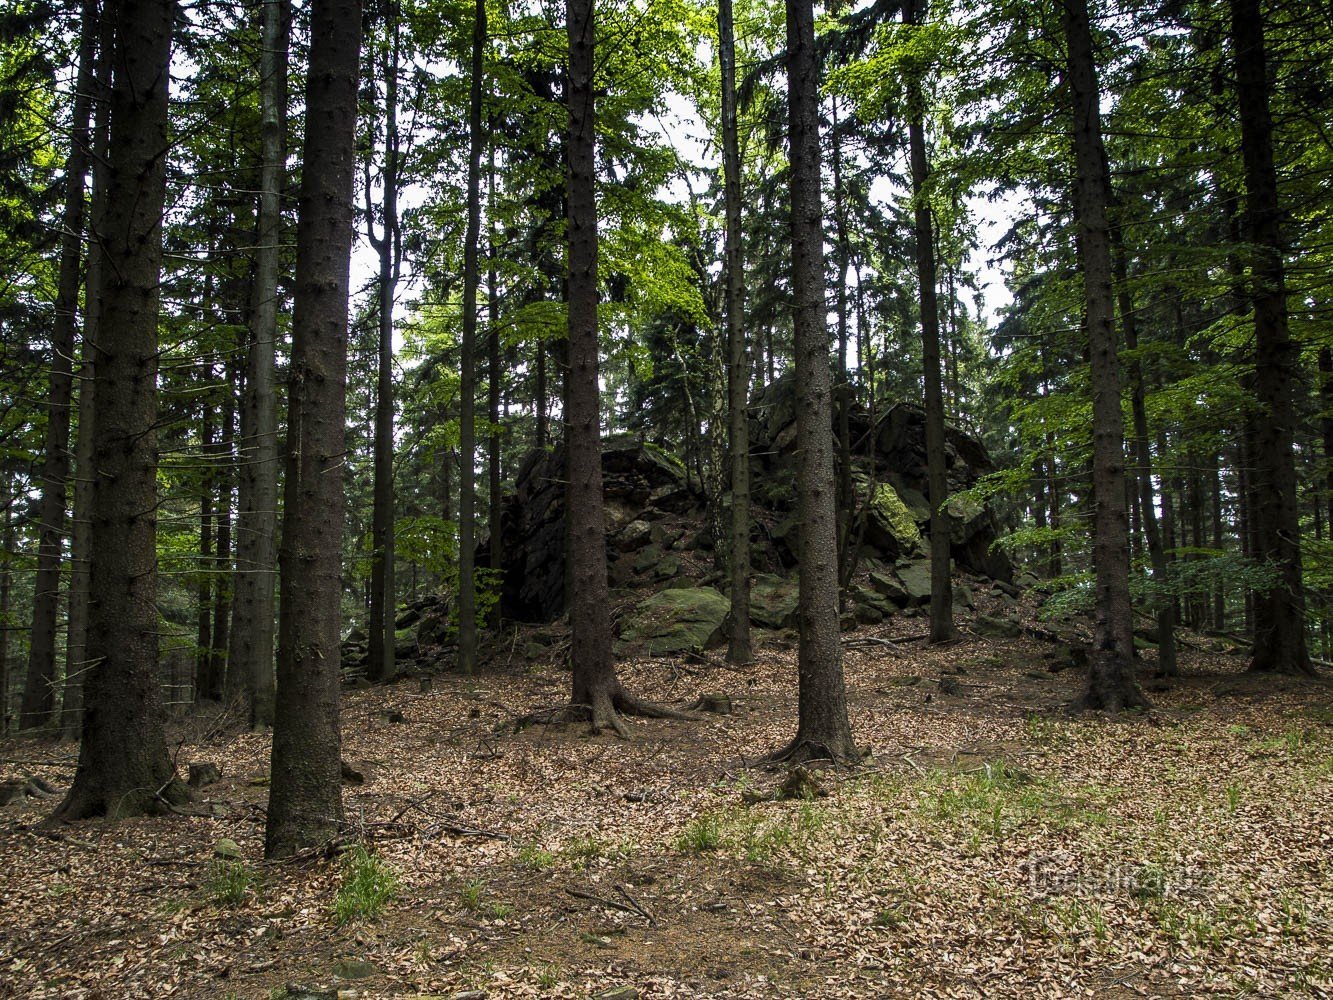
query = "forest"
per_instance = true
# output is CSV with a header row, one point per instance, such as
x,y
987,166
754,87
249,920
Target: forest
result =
x,y
666,498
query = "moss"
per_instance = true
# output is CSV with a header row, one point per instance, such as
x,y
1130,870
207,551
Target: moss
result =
x,y
891,510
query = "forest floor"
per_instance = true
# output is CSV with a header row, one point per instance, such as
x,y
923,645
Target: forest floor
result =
x,y
991,846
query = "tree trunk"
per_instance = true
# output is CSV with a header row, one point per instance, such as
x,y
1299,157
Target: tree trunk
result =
x,y
257,554
1111,683
1166,609
123,767
39,691
739,649
305,801
203,662
6,594
495,504
941,582
843,393
1279,613
76,643
222,564
467,493
823,730
380,661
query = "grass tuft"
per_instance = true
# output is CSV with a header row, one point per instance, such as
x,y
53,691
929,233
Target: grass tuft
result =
x,y
369,884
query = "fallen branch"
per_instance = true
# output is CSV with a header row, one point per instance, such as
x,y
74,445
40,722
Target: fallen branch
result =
x,y
862,641
636,904
609,903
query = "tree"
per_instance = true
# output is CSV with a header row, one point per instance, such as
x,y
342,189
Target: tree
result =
x,y
123,767
467,491
823,730
941,580
39,688
1111,683
380,664
738,359
1279,612
305,801
257,494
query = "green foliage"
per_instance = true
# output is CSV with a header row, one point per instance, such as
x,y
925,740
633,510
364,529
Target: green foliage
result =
x,y
704,833
369,884
229,882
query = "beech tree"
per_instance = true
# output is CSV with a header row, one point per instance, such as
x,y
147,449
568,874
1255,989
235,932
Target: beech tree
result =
x,y
305,797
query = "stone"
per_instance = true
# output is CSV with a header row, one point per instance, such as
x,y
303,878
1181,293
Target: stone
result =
x,y
617,993
227,849
889,586
354,968
868,614
634,535
391,716
773,602
294,991
890,527
667,567
915,577
405,644
996,628
357,635
647,559
718,704
204,774
678,620
962,597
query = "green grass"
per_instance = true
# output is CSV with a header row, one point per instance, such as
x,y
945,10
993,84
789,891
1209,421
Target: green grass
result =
x,y
533,857
704,833
228,882
369,884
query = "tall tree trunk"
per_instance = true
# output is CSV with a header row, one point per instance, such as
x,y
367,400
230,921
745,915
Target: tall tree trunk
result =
x,y
203,662
467,494
39,691
222,565
843,393
76,644
823,730
739,649
6,596
123,764
305,801
1166,609
1219,593
539,404
597,694
380,662
257,553
941,582
1111,683
494,506
1279,626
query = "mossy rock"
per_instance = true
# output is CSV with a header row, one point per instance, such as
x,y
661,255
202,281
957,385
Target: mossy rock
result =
x,y
647,558
966,518
997,628
891,527
773,602
888,586
678,620
667,567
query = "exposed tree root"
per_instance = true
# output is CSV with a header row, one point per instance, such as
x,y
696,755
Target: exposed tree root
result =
x,y
606,713
802,750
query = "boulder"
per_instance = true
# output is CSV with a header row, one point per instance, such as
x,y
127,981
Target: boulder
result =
x,y
678,620
773,602
890,526
996,628
915,577
634,535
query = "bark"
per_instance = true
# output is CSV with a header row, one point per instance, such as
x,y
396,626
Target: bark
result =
x,y
594,684
823,730
7,542
204,593
76,644
123,764
380,662
495,504
941,583
1165,606
305,801
1279,613
39,692
222,565
256,549
739,649
844,389
467,493
1111,683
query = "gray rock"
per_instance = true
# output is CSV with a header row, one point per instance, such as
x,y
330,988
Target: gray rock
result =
x,y
678,620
